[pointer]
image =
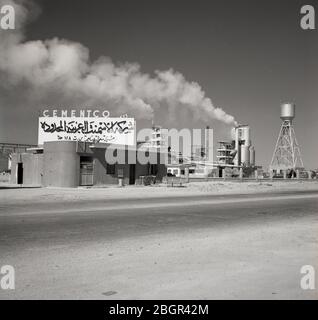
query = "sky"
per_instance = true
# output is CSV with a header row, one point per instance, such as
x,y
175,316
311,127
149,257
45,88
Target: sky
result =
x,y
247,56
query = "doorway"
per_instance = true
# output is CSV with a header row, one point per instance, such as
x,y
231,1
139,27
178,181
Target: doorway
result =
x,y
19,173
86,171
132,173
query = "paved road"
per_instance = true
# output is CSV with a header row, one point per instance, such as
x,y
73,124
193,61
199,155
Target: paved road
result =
x,y
242,246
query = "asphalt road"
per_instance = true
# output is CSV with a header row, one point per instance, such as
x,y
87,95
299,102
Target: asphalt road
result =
x,y
235,247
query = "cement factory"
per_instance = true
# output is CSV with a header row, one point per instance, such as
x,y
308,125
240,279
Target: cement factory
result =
x,y
232,160
70,163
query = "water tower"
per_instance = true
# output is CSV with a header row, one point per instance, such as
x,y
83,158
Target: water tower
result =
x,y
287,151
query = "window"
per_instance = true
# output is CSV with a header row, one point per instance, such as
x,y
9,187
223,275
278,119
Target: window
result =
x,y
110,168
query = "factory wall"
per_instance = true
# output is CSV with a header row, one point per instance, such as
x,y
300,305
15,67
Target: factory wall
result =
x,y
131,172
61,164
64,164
32,165
4,162
101,171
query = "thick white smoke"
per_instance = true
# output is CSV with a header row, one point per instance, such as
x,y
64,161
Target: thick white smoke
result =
x,y
64,67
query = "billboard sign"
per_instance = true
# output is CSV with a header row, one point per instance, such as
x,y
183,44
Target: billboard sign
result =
x,y
87,129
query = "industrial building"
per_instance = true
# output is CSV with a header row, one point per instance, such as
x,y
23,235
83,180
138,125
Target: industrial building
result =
x,y
73,164
158,138
237,154
6,150
244,151
225,153
61,161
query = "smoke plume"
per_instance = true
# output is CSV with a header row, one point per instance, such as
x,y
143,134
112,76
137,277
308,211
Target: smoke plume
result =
x,y
62,68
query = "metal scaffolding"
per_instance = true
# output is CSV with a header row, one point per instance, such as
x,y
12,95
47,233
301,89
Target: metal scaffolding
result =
x,y
287,151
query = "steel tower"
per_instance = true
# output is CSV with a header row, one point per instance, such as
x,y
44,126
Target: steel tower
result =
x,y
287,151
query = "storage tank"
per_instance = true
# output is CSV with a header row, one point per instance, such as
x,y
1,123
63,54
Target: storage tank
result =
x,y
245,155
252,156
287,111
246,133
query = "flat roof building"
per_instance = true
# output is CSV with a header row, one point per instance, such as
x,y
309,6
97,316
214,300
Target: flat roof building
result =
x,y
73,164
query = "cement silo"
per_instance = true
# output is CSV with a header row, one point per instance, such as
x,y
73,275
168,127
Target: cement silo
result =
x,y
245,155
245,152
252,156
237,159
245,135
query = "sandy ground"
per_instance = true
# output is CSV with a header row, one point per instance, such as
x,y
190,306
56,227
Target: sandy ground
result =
x,y
42,195
246,250
249,243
